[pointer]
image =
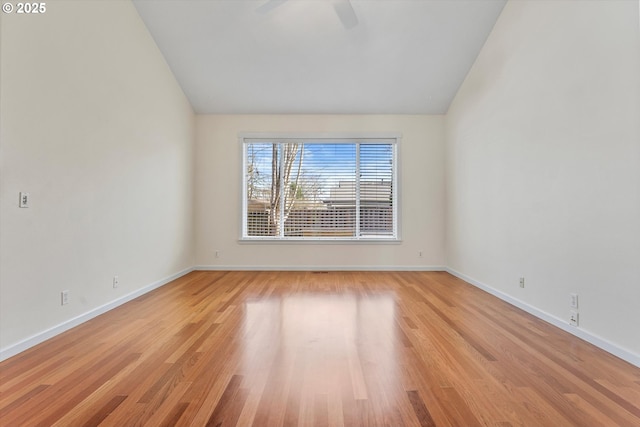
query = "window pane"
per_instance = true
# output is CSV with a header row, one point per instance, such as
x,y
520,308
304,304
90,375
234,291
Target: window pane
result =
x,y
310,190
259,158
322,201
376,190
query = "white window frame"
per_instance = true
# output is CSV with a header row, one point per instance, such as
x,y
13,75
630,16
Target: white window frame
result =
x,y
348,138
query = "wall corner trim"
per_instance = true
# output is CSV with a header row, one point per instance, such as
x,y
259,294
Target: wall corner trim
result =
x,y
38,338
599,342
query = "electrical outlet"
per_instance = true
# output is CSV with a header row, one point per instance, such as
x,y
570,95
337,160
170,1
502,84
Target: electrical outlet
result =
x,y
522,282
64,297
573,318
116,282
573,300
419,254
217,254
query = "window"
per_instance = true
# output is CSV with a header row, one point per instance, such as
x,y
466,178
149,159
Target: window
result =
x,y
320,189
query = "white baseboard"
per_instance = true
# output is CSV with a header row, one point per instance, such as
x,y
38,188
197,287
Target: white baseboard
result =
x,y
602,343
36,339
320,268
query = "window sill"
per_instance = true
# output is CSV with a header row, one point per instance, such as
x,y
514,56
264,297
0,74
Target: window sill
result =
x,y
320,241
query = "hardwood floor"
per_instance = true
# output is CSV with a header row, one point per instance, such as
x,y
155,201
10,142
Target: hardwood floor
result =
x,y
313,349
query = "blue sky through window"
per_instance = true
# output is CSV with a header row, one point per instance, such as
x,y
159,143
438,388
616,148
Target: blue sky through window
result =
x,y
324,165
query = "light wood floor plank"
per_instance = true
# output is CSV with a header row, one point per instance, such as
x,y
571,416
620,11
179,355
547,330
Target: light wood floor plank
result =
x,y
339,349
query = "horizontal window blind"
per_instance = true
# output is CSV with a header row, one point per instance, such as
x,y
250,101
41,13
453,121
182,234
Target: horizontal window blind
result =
x,y
376,190
319,190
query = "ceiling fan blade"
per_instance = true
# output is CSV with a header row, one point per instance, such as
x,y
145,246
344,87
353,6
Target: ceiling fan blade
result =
x,y
343,9
269,6
346,13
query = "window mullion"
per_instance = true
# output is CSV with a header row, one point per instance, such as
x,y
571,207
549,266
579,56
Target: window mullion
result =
x,y
357,177
245,179
394,194
282,192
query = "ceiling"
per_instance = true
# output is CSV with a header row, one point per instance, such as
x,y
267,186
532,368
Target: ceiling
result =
x,y
240,57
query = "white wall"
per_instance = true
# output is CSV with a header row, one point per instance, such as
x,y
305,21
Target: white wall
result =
x,y
543,164
218,189
542,169
96,129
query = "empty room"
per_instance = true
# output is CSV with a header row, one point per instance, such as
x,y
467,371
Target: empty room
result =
x,y
320,213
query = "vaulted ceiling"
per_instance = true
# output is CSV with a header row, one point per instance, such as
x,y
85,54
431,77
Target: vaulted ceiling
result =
x,y
298,56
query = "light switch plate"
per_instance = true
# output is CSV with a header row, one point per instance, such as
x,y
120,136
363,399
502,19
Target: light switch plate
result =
x,y
24,200
573,300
